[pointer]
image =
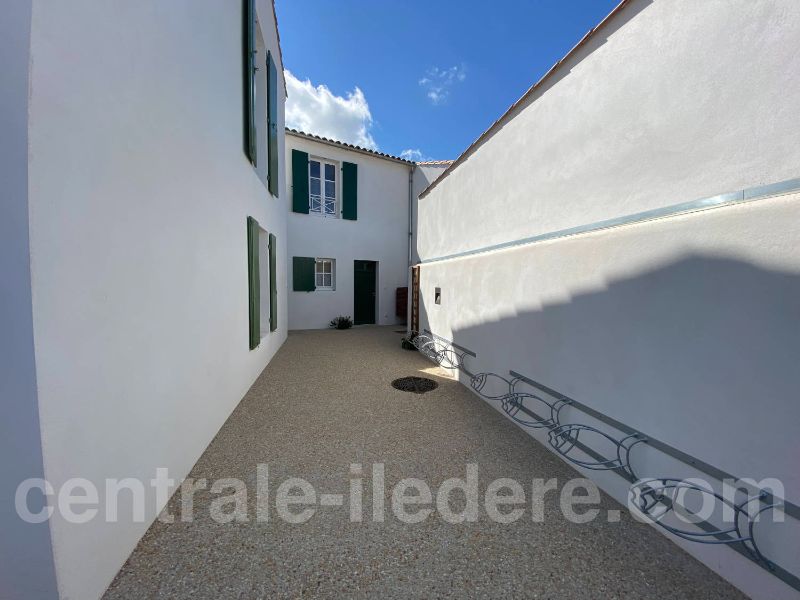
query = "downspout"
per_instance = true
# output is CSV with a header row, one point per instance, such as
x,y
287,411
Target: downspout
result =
x,y
410,215
411,170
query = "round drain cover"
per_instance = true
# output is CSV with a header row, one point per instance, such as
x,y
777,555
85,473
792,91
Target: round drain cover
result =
x,y
418,385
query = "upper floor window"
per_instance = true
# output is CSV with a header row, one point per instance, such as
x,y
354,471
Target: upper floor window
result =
x,y
322,187
260,102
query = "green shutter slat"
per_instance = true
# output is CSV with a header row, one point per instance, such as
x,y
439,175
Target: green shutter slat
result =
x,y
272,125
273,285
303,274
350,191
253,282
300,181
249,49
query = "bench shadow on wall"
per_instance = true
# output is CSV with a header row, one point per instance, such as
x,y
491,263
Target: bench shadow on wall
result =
x,y
703,353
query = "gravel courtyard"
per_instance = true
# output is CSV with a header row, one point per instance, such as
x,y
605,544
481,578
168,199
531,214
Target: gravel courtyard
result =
x,y
325,402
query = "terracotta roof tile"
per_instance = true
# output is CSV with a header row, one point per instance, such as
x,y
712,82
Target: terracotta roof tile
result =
x,y
319,138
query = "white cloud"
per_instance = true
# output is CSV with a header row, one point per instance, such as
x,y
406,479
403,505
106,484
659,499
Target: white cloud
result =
x,y
315,109
414,154
437,82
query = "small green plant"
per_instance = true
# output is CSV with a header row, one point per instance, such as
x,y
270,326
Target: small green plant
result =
x,y
341,322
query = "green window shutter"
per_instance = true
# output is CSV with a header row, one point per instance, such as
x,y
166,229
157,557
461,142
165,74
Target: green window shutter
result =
x,y
273,285
253,282
300,181
249,50
272,125
350,191
303,274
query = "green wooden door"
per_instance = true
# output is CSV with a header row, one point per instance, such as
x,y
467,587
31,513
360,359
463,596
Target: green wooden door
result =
x,y
364,286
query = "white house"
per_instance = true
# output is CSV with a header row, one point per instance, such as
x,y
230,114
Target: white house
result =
x,y
143,252
627,235
348,232
351,230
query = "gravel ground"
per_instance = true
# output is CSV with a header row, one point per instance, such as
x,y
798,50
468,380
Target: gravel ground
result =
x,y
326,401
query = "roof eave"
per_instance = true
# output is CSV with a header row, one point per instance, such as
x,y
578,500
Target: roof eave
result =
x,y
346,146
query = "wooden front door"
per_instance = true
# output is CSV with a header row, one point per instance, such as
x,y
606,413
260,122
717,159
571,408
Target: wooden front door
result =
x,y
414,299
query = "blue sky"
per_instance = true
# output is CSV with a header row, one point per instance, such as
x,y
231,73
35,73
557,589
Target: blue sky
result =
x,y
428,76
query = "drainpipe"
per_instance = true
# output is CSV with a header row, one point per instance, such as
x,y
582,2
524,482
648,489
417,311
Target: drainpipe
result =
x,y
411,170
410,216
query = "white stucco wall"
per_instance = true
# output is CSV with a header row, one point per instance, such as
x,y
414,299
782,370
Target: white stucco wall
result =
x,y
685,328
380,234
424,175
672,100
26,561
139,194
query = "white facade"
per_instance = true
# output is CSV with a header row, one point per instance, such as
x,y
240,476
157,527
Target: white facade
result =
x,y
685,327
127,345
380,234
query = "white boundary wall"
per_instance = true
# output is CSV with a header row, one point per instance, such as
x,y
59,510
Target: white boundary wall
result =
x,y
672,100
424,175
685,328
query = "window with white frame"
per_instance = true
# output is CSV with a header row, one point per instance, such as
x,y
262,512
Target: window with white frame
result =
x,y
325,273
322,187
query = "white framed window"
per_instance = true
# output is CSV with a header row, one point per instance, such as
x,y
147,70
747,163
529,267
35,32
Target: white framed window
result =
x,y
325,274
322,187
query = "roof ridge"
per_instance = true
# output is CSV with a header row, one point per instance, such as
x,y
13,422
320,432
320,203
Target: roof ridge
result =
x,y
347,145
